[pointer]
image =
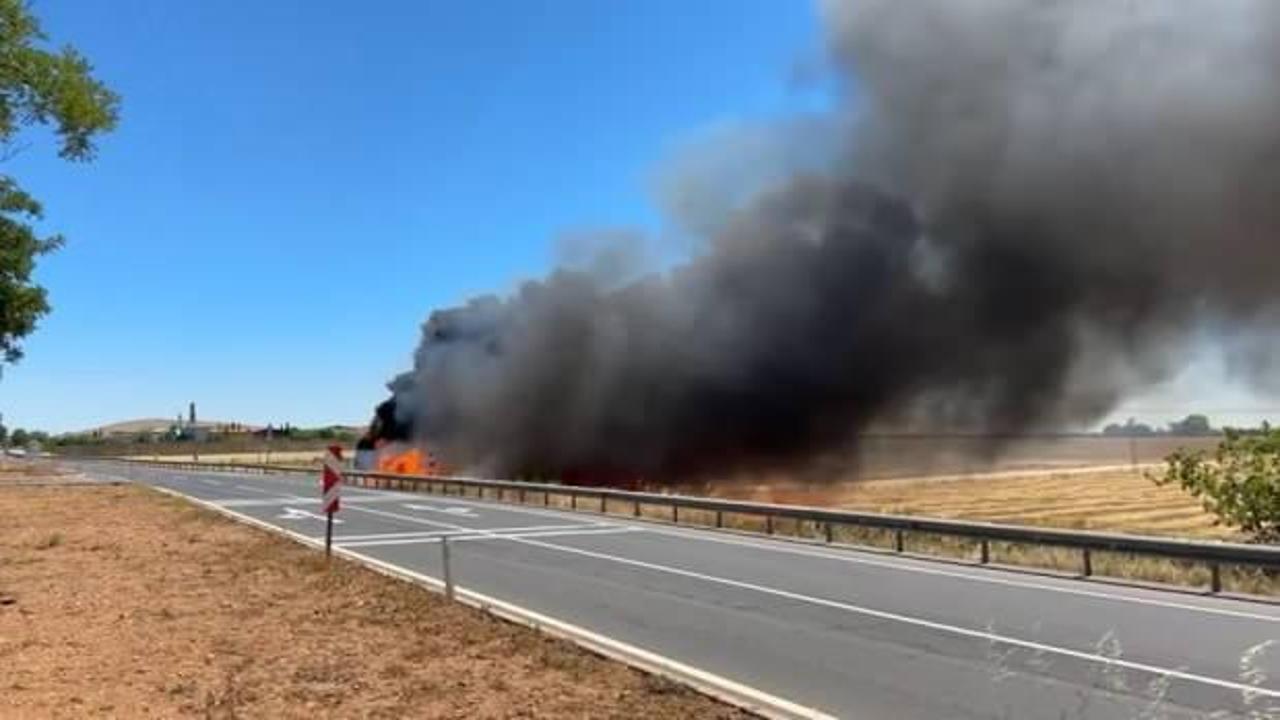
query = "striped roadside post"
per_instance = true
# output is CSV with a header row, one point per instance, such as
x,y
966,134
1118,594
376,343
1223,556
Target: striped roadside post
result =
x,y
332,488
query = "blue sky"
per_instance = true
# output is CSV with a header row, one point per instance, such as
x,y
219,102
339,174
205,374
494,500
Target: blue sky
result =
x,y
295,185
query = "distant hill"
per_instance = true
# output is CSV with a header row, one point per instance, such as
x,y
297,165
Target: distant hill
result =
x,y
155,425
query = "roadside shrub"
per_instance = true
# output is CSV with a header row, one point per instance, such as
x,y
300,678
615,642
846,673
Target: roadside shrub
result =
x,y
1240,484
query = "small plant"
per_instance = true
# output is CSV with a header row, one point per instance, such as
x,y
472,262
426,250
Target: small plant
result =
x,y
1240,484
52,540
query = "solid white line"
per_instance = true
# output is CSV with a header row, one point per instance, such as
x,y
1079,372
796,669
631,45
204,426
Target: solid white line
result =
x,y
433,536
262,502
486,536
560,533
251,488
414,533
734,693
885,615
857,556
919,622
853,555
437,523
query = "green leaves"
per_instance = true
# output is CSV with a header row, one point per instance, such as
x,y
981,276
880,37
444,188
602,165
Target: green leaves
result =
x,y
38,87
1241,484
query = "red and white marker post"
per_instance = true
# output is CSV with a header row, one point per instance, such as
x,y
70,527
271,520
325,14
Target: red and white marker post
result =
x,y
332,490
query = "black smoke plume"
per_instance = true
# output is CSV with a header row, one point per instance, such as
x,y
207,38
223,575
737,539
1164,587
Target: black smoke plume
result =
x,y
1024,210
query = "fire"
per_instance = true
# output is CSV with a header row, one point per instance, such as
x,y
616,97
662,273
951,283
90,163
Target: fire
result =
x,y
413,461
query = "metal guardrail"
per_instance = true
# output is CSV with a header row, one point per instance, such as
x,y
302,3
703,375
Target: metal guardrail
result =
x,y
1212,554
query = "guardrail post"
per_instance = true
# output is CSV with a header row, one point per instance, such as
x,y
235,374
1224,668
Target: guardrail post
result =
x,y
829,533
521,496
446,571
604,504
897,540
546,498
1087,562
573,501
719,518
1215,578
635,509
675,514
986,552
768,524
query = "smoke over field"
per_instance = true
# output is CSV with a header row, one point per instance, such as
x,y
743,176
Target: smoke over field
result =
x,y
1022,211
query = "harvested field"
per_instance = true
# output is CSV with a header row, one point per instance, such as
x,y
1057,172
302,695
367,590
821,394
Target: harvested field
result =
x,y
1120,500
281,457
118,602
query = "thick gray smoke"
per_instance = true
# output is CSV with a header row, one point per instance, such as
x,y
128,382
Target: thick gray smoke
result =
x,y
1026,208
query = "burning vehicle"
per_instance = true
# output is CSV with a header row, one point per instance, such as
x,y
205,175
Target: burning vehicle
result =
x,y
389,446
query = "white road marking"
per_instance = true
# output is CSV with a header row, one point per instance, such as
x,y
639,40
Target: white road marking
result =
x,y
988,636
717,686
292,513
251,488
393,535
561,533
856,556
269,501
488,535
262,502
436,533
438,523
211,481
982,575
462,511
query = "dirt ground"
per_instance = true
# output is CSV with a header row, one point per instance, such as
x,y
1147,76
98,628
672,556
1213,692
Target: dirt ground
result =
x,y
119,602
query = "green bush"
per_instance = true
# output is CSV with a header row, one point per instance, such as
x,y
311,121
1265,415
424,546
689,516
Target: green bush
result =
x,y
1240,484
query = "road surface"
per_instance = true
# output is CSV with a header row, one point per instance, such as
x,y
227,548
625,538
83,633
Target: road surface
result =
x,y
843,632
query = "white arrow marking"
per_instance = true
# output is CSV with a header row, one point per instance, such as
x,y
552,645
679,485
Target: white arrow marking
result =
x,y
459,511
300,514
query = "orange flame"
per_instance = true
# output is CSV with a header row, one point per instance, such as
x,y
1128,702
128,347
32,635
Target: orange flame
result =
x,y
411,461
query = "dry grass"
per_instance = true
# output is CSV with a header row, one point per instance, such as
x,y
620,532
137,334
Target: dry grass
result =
x,y
260,457
22,472
117,602
1120,500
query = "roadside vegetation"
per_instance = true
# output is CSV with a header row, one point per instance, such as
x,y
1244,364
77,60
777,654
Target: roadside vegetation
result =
x,y
39,86
1239,484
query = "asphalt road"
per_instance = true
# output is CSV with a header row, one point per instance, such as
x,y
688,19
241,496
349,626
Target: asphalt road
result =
x,y
847,633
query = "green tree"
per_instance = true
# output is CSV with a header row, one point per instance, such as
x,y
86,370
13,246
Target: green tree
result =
x,y
1240,485
1191,425
38,86
19,437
